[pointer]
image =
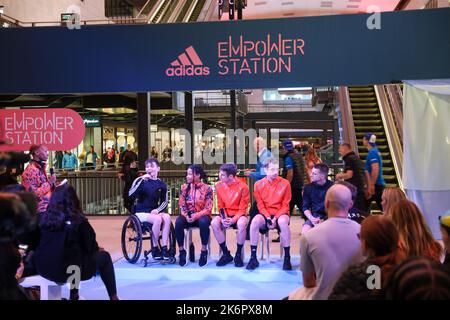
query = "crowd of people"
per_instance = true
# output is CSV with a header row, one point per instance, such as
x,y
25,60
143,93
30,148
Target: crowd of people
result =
x,y
346,252
44,231
90,160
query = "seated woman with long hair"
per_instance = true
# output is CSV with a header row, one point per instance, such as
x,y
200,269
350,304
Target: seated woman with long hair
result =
x,y
69,240
415,238
379,243
196,202
390,197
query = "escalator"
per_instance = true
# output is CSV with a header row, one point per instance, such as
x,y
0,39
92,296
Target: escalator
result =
x,y
367,118
169,11
145,11
160,11
183,12
196,13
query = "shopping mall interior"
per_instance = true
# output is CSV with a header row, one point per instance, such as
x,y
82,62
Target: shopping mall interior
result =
x,y
380,78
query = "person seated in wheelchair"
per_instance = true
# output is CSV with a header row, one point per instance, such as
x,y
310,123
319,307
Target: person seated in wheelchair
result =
x,y
196,202
151,202
233,197
272,195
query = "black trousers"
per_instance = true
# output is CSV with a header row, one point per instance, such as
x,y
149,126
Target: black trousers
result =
x,y
203,223
253,212
296,198
105,267
376,197
360,204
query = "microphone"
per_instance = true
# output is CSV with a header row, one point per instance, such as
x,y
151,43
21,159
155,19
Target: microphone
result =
x,y
52,172
222,213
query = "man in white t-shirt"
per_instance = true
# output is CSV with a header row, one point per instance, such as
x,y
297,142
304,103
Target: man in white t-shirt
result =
x,y
330,248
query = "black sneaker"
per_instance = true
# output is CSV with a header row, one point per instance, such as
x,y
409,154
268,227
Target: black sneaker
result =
x,y
238,261
156,253
165,254
225,259
203,258
182,258
287,263
252,264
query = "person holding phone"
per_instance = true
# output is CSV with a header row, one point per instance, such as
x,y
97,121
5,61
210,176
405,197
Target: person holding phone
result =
x,y
233,197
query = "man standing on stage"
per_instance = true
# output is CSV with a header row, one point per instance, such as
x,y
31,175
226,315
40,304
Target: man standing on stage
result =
x,y
35,179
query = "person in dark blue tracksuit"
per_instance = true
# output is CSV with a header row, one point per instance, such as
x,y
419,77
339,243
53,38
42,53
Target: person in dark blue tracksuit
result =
x,y
152,200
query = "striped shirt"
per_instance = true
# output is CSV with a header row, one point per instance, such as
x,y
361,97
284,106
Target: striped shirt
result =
x,y
150,195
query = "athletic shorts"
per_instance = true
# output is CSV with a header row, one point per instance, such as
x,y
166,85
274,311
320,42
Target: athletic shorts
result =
x,y
142,216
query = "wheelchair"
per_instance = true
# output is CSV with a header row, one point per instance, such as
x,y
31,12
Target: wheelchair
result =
x,y
134,232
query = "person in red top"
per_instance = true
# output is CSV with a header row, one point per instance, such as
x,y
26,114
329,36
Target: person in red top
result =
x,y
35,179
233,198
272,195
196,202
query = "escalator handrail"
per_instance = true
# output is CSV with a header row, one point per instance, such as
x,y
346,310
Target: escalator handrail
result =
x,y
164,8
155,10
211,12
349,132
188,15
396,104
176,11
393,139
143,8
202,4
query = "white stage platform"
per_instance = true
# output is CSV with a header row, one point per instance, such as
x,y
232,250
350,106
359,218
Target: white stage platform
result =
x,y
172,282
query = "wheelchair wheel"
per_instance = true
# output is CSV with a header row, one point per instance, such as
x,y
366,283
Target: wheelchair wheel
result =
x,y
132,239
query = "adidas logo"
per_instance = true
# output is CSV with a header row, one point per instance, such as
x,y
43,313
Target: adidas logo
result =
x,y
187,64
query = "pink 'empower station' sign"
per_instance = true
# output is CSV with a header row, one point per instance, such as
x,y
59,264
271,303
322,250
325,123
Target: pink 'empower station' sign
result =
x,y
58,129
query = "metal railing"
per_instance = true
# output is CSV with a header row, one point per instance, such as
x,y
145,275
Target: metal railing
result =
x,y
101,193
395,100
147,13
119,20
212,98
8,22
273,107
348,126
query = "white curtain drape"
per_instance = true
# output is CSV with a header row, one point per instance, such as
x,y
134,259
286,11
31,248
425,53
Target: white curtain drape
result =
x,y
426,144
